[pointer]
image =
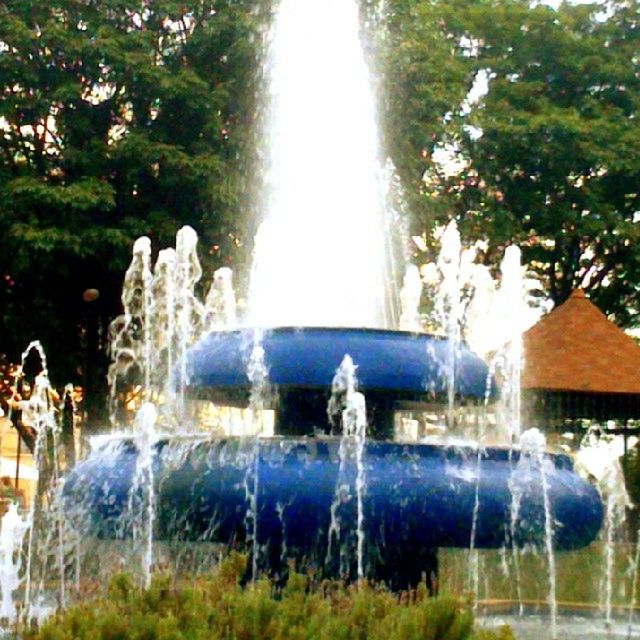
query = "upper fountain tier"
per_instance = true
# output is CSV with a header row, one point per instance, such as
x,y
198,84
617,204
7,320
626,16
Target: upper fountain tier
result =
x,y
393,367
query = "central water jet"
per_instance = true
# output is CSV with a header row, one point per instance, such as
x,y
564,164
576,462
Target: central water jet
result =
x,y
320,255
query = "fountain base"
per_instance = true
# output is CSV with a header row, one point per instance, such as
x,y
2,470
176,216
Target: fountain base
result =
x,y
418,498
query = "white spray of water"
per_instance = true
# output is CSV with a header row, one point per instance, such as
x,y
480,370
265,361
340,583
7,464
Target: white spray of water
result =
x,y
478,314
258,375
448,305
320,252
499,312
142,495
599,458
220,308
505,307
350,406
494,319
12,531
510,300
532,450
162,318
188,308
163,321
410,300
130,335
38,412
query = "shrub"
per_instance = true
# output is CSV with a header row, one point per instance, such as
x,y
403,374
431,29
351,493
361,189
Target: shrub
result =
x,y
215,607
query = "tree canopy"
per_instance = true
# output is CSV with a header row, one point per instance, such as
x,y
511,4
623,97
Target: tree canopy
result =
x,y
117,119
553,160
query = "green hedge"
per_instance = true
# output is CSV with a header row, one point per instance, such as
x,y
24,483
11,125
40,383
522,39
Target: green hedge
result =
x,y
215,607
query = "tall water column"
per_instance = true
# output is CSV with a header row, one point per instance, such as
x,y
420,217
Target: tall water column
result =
x,y
320,252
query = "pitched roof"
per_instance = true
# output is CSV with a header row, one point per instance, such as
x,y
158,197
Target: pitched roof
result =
x,y
577,348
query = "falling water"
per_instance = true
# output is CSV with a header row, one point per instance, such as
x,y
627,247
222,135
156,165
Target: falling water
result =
x,y
508,307
46,521
258,375
130,336
511,307
162,318
532,447
609,532
320,252
514,514
12,530
635,559
142,495
548,540
410,296
348,407
354,419
449,306
39,413
320,257
474,564
491,319
188,308
599,458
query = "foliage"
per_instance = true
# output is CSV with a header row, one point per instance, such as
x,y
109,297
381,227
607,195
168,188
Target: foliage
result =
x,y
549,155
552,148
216,607
426,74
118,118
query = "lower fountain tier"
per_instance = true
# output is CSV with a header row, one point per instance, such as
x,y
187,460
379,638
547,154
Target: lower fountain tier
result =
x,y
416,497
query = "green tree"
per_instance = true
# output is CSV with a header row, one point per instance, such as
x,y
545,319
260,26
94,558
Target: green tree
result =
x,y
117,118
426,74
557,165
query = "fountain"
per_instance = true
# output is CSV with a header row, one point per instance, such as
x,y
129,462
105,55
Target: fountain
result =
x,y
417,497
279,492
282,432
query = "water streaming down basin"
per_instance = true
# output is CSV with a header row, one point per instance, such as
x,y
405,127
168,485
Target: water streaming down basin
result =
x,y
240,452
347,409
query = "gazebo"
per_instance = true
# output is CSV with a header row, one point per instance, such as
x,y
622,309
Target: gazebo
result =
x,y
579,365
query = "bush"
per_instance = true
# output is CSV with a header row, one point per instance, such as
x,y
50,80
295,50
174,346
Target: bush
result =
x,y
217,608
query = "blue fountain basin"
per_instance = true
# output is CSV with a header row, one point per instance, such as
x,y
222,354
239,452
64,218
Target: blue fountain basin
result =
x,y
416,496
394,362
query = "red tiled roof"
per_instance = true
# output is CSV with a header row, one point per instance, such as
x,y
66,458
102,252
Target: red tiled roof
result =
x,y
577,348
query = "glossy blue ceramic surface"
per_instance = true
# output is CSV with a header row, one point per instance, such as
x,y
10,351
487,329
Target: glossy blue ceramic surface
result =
x,y
415,494
391,361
